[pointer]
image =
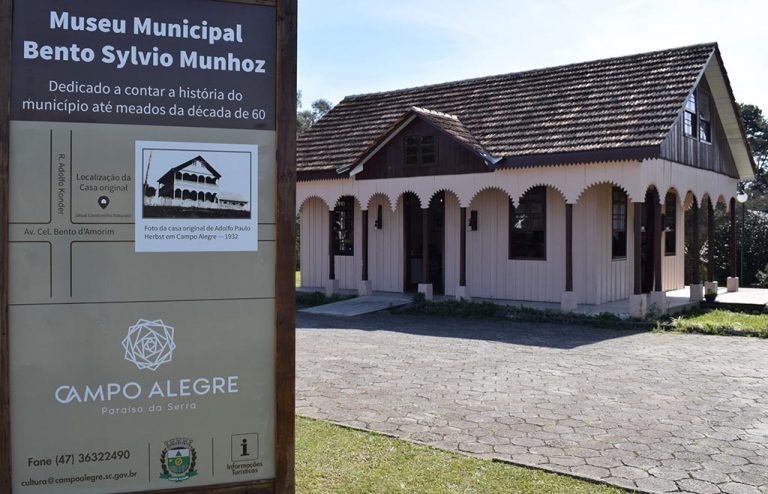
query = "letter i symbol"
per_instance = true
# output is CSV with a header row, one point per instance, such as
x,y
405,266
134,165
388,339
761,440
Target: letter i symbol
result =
x,y
244,446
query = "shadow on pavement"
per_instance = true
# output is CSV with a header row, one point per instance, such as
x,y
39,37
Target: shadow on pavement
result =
x,y
564,337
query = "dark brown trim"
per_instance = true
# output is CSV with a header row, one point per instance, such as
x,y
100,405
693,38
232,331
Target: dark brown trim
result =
x,y
309,175
568,247
657,241
5,432
331,256
695,245
284,482
711,241
365,245
638,246
425,245
463,247
580,157
6,8
734,272
285,282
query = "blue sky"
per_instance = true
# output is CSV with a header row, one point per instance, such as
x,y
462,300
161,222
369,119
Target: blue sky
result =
x,y
351,47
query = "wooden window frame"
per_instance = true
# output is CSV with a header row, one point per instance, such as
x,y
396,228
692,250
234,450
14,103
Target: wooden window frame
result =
x,y
670,221
620,256
690,111
513,212
706,138
343,238
420,147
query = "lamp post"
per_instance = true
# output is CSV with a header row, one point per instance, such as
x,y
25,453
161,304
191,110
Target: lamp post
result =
x,y
742,198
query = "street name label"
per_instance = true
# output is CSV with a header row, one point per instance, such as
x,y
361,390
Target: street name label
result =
x,y
142,245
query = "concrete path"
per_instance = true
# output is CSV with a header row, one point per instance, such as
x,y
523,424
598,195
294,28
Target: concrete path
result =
x,y
654,412
361,305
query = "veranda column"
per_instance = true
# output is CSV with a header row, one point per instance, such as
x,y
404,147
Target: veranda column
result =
x,y
461,291
568,298
697,287
365,287
638,302
657,301
332,284
425,286
711,284
733,279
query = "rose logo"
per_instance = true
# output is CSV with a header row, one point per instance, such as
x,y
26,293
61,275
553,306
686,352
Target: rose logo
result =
x,y
149,344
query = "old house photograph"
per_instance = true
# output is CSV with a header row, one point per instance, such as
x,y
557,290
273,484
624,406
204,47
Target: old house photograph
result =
x,y
212,184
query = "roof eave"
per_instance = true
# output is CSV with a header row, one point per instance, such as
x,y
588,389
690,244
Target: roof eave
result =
x,y
579,157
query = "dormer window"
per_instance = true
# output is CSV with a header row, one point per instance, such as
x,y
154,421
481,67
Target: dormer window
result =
x,y
420,150
689,116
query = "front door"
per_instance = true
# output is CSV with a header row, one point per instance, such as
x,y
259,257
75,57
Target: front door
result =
x,y
414,243
648,240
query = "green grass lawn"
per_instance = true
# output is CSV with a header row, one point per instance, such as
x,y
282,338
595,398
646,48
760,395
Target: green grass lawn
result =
x,y
335,460
719,322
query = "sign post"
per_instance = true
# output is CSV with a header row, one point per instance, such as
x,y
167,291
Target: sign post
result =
x,y
147,183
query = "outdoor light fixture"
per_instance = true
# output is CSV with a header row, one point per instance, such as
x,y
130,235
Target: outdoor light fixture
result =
x,y
378,223
742,199
473,221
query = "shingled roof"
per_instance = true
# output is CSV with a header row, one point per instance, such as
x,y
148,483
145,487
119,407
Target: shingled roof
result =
x,y
623,107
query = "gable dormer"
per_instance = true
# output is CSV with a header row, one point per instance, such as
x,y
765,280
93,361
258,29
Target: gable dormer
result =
x,y
698,138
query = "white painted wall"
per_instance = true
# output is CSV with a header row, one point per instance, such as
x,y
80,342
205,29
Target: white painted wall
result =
x,y
673,267
490,274
314,248
597,277
452,242
314,243
385,258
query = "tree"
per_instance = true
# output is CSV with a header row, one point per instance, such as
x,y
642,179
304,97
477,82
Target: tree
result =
x,y
307,118
757,134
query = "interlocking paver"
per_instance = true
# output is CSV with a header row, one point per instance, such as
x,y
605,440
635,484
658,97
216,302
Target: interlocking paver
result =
x,y
656,412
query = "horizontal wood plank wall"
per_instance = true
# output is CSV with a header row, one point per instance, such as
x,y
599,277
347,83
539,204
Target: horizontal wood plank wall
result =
x,y
597,277
715,156
314,243
385,262
490,274
673,267
452,233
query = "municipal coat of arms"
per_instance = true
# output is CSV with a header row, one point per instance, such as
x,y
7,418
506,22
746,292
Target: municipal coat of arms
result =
x,y
178,460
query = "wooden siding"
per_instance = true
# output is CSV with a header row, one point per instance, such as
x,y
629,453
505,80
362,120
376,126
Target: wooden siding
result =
x,y
314,243
490,274
314,249
452,238
598,278
689,151
673,267
385,258
452,158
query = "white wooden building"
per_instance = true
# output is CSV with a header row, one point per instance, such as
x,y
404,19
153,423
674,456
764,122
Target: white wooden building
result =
x,y
567,184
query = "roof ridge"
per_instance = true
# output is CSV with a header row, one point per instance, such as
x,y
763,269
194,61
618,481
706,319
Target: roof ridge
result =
x,y
419,109
712,45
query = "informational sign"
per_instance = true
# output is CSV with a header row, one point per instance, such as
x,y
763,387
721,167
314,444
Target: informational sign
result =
x,y
142,245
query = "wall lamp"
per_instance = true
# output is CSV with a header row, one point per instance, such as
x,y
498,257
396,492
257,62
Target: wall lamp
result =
x,y
473,221
378,223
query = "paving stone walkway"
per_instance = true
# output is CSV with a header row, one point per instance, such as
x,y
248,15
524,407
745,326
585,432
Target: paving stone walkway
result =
x,y
654,412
